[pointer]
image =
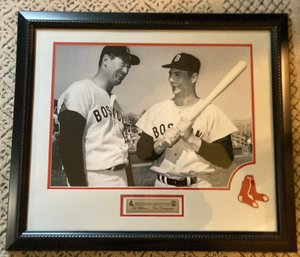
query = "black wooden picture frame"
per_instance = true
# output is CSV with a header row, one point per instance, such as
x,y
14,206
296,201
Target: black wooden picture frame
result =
x,y
19,237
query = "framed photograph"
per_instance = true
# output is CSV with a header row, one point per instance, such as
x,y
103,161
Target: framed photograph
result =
x,y
137,131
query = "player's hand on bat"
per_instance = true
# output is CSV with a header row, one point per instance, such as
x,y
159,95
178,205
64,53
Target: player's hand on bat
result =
x,y
170,138
185,127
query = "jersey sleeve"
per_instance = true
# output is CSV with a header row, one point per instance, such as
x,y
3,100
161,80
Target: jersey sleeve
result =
x,y
145,123
218,125
75,98
71,131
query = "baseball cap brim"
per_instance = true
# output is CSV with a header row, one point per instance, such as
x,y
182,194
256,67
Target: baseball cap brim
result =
x,y
131,58
168,65
134,60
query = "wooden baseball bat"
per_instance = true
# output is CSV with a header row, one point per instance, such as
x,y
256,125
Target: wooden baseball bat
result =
x,y
231,76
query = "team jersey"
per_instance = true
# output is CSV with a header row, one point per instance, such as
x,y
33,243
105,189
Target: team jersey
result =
x,y
181,160
103,142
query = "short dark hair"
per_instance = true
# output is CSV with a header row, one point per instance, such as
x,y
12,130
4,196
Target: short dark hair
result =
x,y
112,56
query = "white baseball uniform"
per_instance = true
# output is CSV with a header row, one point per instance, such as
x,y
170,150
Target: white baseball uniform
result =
x,y
103,142
181,161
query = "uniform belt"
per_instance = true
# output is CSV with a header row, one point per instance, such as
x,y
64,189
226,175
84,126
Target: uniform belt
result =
x,y
184,182
118,167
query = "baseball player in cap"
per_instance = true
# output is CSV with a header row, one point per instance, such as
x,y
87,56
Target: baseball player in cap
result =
x,y
92,146
184,157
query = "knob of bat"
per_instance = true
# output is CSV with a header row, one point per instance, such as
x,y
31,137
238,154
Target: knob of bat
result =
x,y
167,142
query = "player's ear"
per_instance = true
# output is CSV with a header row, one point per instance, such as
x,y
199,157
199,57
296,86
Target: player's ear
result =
x,y
105,59
194,77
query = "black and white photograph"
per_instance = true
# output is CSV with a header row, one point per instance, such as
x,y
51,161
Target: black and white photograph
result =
x,y
163,123
151,115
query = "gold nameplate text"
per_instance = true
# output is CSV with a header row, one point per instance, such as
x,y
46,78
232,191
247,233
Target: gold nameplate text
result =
x,y
151,205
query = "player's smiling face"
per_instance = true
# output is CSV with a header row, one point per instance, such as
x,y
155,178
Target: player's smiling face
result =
x,y
118,69
181,82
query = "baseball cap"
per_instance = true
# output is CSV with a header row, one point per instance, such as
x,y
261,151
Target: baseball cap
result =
x,y
120,51
184,61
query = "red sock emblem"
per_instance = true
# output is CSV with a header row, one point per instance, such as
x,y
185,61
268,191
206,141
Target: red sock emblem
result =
x,y
257,196
248,193
244,195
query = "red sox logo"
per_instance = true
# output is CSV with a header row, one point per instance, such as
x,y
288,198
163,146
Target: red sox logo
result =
x,y
177,58
248,193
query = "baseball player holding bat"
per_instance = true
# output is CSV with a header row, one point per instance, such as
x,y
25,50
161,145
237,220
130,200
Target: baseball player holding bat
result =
x,y
185,148
92,146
